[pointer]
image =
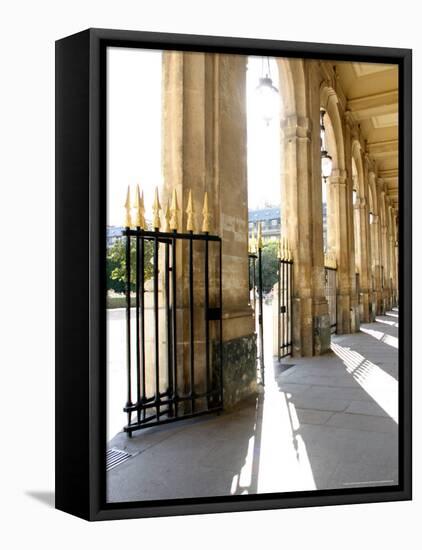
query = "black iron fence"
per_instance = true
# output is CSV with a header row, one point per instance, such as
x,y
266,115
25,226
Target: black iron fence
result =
x,y
284,319
174,332
331,295
255,287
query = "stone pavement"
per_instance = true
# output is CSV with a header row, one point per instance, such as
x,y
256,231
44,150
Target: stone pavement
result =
x,y
321,423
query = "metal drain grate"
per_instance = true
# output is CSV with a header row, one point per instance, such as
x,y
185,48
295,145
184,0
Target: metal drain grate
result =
x,y
114,457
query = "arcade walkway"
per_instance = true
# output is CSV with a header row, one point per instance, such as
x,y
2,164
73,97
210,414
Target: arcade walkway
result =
x,y
325,422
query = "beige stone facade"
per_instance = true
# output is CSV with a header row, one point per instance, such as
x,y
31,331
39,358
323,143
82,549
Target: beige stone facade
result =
x,y
205,149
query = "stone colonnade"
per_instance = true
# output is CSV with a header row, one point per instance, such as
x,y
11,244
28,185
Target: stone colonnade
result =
x,y
205,149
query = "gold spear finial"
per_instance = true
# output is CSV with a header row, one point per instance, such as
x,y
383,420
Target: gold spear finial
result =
x,y
166,227
174,211
189,212
288,253
251,243
206,214
259,237
140,209
128,217
156,207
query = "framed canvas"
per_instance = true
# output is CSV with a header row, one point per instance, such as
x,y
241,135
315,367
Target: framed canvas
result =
x,y
233,274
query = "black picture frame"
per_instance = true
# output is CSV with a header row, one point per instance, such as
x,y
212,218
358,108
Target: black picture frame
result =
x,y
80,267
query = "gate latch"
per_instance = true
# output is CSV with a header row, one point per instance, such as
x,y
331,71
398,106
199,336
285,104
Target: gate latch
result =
x,y
282,309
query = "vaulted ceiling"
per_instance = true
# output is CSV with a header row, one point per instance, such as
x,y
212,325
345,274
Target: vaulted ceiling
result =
x,y
371,92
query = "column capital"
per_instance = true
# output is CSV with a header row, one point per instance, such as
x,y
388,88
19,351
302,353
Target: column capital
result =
x,y
338,177
296,127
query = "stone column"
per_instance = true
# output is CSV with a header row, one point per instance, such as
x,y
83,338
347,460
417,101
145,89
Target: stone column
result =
x,y
353,323
340,243
369,244
393,256
362,238
204,149
376,265
302,217
376,247
297,207
384,246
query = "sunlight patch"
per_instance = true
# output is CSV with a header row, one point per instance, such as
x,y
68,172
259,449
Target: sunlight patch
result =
x,y
382,387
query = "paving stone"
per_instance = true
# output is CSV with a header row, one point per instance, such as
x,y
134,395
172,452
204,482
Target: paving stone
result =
x,y
367,408
313,417
321,403
361,474
294,389
342,438
363,423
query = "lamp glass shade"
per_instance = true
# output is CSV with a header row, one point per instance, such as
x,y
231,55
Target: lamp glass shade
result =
x,y
267,99
326,165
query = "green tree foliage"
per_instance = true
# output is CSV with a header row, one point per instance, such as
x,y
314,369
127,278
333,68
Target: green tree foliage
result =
x,y
116,264
269,266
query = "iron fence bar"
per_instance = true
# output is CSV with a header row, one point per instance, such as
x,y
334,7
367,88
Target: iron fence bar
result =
x,y
207,326
279,311
286,304
148,422
156,327
285,282
285,288
150,411
170,236
291,307
168,323
148,402
174,321
128,328
331,295
191,328
254,282
252,278
141,292
261,317
138,339
221,321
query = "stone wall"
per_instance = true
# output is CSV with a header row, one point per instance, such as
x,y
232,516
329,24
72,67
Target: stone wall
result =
x,y
239,369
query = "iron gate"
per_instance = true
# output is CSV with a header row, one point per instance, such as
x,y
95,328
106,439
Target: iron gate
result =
x,y
255,287
331,295
284,301
174,331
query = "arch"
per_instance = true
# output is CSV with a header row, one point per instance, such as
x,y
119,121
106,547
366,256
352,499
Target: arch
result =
x,y
357,158
292,87
334,127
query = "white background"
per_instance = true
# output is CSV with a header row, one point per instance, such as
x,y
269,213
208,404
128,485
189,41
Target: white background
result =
x,y
28,31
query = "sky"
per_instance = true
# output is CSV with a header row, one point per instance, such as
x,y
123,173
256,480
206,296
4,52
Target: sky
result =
x,y
134,131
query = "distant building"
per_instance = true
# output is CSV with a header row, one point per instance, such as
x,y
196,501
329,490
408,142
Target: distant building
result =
x,y
270,222
113,233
